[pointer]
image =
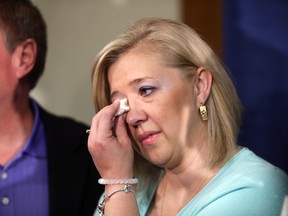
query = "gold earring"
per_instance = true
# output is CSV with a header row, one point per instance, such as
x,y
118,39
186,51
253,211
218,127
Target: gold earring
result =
x,y
203,112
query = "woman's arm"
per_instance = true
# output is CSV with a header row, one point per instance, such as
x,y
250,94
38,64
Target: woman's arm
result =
x,y
112,153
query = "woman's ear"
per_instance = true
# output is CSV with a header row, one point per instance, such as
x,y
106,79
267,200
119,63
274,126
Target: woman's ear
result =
x,y
24,57
203,83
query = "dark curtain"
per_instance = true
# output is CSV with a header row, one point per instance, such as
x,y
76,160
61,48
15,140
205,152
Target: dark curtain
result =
x,y
256,53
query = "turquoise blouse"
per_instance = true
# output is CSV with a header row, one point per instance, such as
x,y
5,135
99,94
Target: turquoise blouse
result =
x,y
246,185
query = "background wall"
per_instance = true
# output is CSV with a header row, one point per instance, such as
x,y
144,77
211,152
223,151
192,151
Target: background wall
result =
x,y
256,51
77,30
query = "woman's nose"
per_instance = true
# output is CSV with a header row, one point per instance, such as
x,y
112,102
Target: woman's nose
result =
x,y
136,114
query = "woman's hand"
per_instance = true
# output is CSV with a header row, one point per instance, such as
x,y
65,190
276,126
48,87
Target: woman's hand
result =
x,y
110,145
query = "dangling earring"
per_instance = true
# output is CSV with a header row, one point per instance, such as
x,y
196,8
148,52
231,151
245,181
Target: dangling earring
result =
x,y
203,112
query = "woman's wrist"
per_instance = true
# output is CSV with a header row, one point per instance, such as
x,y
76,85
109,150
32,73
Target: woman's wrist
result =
x,y
118,181
115,184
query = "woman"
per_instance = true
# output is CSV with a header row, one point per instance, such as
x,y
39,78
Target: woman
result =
x,y
179,137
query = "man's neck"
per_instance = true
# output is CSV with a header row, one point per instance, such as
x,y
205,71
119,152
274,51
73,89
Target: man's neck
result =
x,y
16,122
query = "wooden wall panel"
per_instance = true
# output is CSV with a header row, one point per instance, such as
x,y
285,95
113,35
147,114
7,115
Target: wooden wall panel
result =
x,y
205,16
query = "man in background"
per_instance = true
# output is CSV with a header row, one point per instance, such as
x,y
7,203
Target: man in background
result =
x,y
45,166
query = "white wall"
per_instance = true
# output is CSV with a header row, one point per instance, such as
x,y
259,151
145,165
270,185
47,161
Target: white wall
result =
x,y
77,30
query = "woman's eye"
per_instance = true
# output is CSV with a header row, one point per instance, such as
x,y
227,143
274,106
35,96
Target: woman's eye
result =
x,y
146,90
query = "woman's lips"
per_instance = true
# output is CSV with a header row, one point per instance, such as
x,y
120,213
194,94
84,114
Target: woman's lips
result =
x,y
148,138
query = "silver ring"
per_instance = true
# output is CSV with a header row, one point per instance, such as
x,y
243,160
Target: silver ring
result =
x,y
87,131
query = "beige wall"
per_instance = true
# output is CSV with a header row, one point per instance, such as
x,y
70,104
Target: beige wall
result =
x,y
77,30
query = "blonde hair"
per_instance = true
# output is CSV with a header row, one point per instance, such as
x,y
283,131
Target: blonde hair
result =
x,y
180,47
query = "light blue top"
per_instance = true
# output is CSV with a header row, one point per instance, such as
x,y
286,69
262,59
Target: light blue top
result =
x,y
247,185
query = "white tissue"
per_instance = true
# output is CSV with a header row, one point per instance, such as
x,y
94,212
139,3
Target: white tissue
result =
x,y
123,107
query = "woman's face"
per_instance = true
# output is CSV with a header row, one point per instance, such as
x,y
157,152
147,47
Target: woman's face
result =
x,y
163,116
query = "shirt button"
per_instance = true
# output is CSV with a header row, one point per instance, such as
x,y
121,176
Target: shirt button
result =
x,y
5,200
4,176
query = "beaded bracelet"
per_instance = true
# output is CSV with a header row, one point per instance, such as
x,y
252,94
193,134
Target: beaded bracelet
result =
x,y
118,181
101,206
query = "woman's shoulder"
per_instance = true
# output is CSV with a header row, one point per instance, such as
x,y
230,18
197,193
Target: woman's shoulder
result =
x,y
247,170
247,166
245,183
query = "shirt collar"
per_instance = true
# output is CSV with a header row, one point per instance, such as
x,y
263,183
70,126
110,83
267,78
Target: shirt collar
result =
x,y
35,145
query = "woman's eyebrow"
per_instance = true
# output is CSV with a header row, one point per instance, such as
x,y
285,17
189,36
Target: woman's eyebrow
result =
x,y
139,80
133,82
